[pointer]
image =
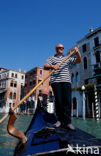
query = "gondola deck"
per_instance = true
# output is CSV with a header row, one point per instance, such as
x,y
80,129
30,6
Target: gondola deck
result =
x,y
44,139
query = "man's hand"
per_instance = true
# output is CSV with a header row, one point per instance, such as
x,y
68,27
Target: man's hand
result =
x,y
55,67
78,55
76,49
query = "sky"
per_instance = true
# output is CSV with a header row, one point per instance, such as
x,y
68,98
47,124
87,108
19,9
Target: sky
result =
x,y
30,29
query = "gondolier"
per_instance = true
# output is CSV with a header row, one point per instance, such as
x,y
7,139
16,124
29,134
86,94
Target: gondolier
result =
x,y
61,84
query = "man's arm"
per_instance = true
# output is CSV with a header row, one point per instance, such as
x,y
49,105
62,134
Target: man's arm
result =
x,y
47,67
78,55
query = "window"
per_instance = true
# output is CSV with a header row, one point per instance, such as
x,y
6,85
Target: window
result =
x,y
10,95
34,82
15,85
98,80
7,74
97,56
13,104
9,105
74,103
34,72
22,77
15,75
85,62
73,78
30,83
14,96
96,41
40,72
22,85
77,77
11,84
4,75
40,91
26,76
31,74
12,74
84,48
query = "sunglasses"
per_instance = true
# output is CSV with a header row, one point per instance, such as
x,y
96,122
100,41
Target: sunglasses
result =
x,y
60,48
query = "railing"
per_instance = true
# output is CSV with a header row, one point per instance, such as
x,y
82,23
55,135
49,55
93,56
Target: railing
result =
x,y
97,47
3,87
97,66
3,90
2,100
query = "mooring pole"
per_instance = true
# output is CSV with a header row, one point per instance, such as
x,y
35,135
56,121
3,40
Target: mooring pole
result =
x,y
92,110
99,111
77,109
72,110
84,113
96,103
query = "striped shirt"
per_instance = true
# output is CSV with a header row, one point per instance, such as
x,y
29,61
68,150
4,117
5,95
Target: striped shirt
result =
x,y
63,73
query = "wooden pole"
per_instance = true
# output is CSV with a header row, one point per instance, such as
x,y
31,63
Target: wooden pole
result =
x,y
93,110
77,109
39,84
84,115
72,110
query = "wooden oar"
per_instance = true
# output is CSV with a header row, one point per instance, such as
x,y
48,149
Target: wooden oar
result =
x,y
13,108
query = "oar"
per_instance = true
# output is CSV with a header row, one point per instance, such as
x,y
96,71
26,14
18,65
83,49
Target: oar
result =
x,y
13,108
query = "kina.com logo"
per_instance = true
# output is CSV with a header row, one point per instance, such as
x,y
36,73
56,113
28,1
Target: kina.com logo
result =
x,y
83,150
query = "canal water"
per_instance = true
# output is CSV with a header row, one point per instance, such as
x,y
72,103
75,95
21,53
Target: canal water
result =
x,y
8,143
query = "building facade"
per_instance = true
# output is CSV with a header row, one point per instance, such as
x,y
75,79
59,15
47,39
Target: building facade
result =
x,y
88,72
32,78
11,84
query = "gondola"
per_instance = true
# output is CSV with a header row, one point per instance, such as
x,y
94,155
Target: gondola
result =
x,y
44,139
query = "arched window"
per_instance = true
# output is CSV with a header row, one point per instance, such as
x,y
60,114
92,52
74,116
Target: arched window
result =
x,y
9,105
85,62
15,75
73,80
10,95
12,74
14,96
15,84
77,77
74,102
11,84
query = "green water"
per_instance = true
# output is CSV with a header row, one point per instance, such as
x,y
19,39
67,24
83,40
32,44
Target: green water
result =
x,y
8,143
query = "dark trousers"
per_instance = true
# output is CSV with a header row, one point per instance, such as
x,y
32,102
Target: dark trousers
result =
x,y
62,93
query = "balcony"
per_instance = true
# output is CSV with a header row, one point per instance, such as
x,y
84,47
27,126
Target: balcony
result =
x,y
97,66
3,90
3,87
3,100
98,47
